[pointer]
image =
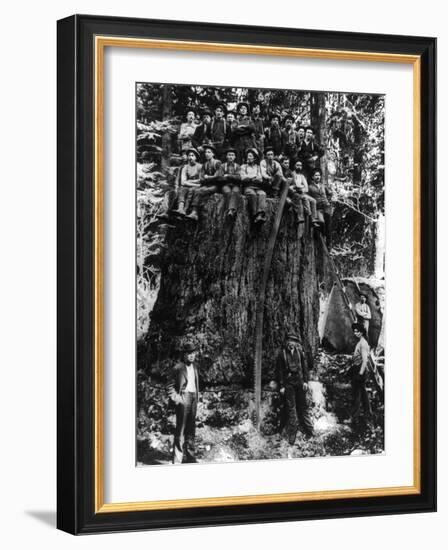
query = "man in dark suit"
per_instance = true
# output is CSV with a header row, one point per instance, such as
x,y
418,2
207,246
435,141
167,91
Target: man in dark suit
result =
x,y
292,378
274,136
322,194
202,134
208,176
310,153
290,138
183,389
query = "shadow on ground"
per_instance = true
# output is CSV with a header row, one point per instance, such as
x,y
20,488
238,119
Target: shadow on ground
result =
x,y
47,517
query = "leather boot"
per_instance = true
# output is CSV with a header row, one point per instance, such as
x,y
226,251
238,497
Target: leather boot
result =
x,y
180,209
193,215
300,213
163,216
252,203
260,218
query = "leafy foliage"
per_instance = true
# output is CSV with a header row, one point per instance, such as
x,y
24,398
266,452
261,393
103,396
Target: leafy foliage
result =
x,y
355,165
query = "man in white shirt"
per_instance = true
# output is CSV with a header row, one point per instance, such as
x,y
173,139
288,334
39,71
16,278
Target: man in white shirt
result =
x,y
363,312
183,389
271,172
189,180
359,374
187,129
252,181
298,192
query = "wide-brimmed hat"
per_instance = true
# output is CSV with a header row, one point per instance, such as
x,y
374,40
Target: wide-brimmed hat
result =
x,y
146,155
230,150
192,150
241,103
268,148
208,146
360,327
293,336
253,151
189,347
223,107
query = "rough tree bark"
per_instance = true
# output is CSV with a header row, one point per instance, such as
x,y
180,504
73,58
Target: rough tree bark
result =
x,y
167,111
318,117
209,285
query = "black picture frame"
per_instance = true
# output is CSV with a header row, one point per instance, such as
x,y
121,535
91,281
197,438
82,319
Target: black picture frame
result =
x,y
76,512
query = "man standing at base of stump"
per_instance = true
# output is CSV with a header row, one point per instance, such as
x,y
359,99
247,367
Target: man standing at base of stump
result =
x,y
292,377
359,375
183,389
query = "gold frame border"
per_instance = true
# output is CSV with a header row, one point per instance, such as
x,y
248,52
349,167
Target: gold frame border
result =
x,y
101,42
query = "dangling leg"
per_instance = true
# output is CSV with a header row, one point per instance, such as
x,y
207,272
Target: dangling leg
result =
x,y
226,190
313,209
199,196
234,200
181,197
250,194
261,206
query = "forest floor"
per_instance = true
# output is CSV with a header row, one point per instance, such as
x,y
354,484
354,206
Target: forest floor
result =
x,y
225,431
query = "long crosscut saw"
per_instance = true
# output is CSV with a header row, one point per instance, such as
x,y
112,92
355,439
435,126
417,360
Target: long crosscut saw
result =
x,y
259,313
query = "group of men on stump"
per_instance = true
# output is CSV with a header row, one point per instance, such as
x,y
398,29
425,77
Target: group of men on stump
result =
x,y
242,155
291,381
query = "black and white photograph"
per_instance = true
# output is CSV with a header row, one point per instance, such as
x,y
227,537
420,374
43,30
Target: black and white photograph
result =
x,y
260,276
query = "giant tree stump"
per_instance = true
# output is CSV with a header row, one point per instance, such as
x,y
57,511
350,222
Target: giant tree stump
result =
x,y
209,285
